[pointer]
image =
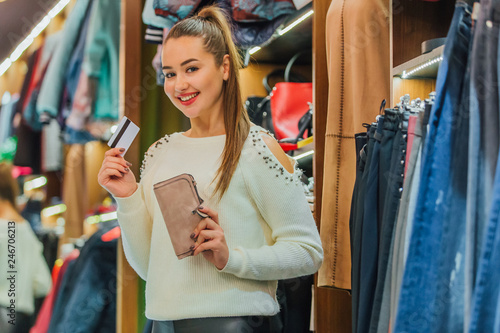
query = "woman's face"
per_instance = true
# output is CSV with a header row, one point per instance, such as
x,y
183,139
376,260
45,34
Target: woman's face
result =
x,y
193,81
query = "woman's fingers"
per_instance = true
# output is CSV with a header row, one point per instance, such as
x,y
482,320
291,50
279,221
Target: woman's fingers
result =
x,y
116,166
210,212
114,152
208,240
109,173
204,224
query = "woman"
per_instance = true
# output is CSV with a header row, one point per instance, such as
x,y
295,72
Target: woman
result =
x,y
26,275
260,227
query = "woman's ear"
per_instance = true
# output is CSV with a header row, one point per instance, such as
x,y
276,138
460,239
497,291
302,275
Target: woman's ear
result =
x,y
225,67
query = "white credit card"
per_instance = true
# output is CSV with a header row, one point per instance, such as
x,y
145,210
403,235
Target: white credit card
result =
x,y
124,135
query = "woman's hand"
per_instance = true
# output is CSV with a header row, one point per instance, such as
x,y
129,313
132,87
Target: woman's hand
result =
x,y
115,175
210,240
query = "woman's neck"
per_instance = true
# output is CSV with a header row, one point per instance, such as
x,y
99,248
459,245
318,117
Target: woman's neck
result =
x,y
202,129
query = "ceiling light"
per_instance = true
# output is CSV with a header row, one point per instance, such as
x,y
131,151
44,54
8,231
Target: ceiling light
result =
x,y
254,49
286,29
35,183
4,66
54,210
291,26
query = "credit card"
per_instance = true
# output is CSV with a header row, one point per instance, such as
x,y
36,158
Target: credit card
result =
x,y
124,135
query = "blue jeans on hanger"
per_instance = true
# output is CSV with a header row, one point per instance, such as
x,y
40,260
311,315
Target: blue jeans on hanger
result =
x,y
484,134
369,234
483,255
357,212
485,315
429,301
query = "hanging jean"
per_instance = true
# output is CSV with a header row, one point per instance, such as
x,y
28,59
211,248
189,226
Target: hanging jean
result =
x,y
483,213
357,211
485,316
484,134
421,305
399,248
369,234
394,179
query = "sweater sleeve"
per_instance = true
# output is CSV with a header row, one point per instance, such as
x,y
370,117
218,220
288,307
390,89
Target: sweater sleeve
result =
x,y
281,201
136,226
42,280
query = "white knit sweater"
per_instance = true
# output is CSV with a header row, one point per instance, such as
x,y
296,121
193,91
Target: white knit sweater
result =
x,y
32,275
267,222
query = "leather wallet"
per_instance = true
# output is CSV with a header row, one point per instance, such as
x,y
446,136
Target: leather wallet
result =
x,y
178,199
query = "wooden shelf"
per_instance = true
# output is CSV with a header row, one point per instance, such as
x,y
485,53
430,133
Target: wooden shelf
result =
x,y
429,72
279,49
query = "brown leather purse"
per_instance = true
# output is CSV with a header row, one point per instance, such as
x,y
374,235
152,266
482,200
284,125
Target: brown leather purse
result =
x,y
178,199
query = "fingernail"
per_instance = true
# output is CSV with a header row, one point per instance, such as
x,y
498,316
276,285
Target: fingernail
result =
x,y
192,235
129,164
200,207
122,149
126,169
191,247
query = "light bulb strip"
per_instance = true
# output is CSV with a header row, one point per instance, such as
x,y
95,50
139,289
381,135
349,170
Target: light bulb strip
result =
x,y
430,62
18,51
102,218
286,29
295,23
54,210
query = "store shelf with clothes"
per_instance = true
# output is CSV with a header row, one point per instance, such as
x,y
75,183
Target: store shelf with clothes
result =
x,y
434,257
384,35
56,114
83,297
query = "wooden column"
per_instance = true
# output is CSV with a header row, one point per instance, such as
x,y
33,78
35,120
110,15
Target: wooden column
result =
x,y
130,102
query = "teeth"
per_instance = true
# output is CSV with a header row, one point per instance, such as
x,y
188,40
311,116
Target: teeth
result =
x,y
187,98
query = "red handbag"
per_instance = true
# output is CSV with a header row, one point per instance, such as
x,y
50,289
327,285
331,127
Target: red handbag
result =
x,y
289,103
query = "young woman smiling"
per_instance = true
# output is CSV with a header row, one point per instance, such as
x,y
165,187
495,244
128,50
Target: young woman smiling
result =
x,y
260,228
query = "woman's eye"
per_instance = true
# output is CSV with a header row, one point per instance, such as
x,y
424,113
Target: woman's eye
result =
x,y
168,75
191,69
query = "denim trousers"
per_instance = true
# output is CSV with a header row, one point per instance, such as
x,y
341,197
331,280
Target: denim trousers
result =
x,y
483,184
356,224
483,135
399,247
485,315
428,301
393,177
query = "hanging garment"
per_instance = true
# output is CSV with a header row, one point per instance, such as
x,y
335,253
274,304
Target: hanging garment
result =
x,y
86,301
483,134
482,197
358,59
149,17
175,10
399,247
7,113
101,57
392,180
75,190
52,86
433,283
43,319
366,235
259,10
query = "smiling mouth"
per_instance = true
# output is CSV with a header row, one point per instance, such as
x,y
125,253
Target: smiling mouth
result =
x,y
187,98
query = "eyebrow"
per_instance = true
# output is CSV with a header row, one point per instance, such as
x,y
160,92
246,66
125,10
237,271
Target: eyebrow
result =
x,y
182,64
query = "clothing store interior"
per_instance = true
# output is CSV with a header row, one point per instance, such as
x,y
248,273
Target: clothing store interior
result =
x,y
397,168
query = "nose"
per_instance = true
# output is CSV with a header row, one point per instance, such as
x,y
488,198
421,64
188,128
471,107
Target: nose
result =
x,y
180,84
